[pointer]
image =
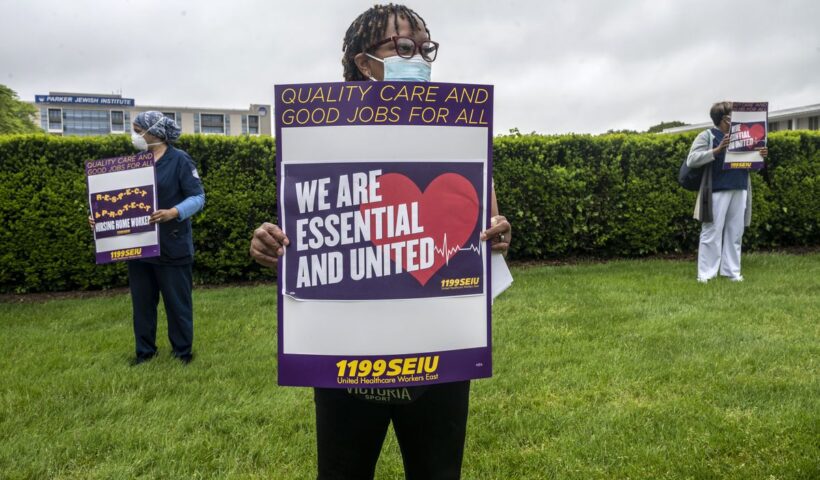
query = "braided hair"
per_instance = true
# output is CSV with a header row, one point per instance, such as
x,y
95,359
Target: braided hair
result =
x,y
368,29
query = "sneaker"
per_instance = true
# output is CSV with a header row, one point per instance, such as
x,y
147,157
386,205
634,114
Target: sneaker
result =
x,y
702,280
738,278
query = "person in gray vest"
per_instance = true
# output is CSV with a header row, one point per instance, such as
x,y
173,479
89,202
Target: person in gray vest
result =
x,y
724,202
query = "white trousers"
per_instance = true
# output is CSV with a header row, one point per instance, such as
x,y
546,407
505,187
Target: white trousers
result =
x,y
720,239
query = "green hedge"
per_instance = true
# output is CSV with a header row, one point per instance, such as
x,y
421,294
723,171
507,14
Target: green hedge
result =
x,y
617,195
46,244
610,195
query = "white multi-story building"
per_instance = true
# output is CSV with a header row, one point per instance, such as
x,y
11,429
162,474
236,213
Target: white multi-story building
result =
x,y
94,114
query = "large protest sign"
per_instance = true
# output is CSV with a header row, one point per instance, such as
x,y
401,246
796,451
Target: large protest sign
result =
x,y
122,196
750,124
383,192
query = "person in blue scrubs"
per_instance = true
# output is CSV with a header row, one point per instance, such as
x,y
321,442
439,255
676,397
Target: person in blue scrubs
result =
x,y
179,196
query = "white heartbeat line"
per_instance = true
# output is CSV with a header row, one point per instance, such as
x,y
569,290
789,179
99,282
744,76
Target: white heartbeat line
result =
x,y
449,252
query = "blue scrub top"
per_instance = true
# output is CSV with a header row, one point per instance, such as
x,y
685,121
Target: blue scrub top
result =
x,y
177,179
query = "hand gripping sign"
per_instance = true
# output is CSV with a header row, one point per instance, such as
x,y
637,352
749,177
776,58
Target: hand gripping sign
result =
x,y
383,192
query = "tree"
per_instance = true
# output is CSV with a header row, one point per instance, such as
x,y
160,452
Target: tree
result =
x,y
664,125
16,116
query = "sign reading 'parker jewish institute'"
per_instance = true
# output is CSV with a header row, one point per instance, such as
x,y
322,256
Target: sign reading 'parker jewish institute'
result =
x,y
383,192
85,100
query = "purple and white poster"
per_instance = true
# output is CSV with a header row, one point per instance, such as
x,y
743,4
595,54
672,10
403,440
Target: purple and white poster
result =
x,y
384,189
122,197
748,133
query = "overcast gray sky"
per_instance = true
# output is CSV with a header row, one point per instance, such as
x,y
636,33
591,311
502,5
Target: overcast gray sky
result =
x,y
557,66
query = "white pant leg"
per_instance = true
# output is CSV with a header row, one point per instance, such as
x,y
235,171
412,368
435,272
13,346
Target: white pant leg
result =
x,y
711,237
733,234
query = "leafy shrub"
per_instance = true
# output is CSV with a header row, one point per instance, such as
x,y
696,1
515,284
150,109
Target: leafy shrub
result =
x,y
609,195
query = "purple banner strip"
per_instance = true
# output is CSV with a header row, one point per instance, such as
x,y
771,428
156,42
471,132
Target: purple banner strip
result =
x,y
118,164
740,165
397,370
122,254
750,106
383,103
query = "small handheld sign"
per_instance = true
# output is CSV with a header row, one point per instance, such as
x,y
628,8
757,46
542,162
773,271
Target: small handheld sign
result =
x,y
748,133
122,196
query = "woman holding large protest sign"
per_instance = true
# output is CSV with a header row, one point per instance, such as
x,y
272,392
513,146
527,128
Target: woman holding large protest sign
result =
x,y
180,195
388,43
724,202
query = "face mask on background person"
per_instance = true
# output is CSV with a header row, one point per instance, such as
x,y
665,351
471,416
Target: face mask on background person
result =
x,y
399,69
138,139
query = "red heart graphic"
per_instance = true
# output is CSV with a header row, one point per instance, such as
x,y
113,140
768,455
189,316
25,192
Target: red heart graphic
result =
x,y
448,211
756,132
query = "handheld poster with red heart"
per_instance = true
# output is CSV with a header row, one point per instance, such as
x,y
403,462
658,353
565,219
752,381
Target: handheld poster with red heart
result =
x,y
748,134
383,192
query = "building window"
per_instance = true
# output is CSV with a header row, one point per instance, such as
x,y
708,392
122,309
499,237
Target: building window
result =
x,y
212,123
253,124
86,122
814,123
55,120
44,118
117,121
772,126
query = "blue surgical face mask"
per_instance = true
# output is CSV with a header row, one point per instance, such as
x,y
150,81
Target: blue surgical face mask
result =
x,y
398,69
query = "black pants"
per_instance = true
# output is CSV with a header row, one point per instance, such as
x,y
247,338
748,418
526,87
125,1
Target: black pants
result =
x,y
430,431
175,282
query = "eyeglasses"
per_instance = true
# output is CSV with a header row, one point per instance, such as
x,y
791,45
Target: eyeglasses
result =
x,y
406,47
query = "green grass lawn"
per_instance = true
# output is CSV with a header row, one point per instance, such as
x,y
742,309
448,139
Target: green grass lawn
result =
x,y
628,369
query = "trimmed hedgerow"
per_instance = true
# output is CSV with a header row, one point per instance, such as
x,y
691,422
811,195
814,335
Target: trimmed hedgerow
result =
x,y
617,195
605,196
